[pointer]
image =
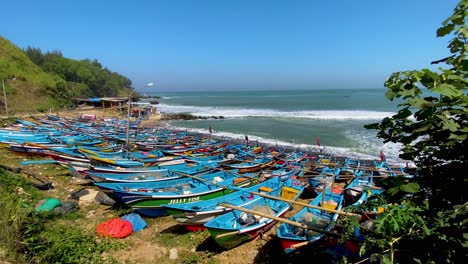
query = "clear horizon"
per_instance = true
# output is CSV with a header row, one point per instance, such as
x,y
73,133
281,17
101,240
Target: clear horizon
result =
x,y
240,45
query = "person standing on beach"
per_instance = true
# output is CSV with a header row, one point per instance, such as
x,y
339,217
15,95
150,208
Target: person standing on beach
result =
x,y
382,156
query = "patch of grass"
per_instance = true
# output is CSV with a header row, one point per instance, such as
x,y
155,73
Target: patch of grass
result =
x,y
185,242
30,237
177,236
15,206
53,242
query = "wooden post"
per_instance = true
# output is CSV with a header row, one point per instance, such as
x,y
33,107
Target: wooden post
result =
x,y
324,190
4,95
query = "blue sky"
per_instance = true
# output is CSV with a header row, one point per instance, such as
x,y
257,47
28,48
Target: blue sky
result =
x,y
232,45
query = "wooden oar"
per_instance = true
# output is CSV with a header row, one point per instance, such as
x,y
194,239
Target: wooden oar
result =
x,y
228,234
318,175
304,204
318,172
279,219
350,178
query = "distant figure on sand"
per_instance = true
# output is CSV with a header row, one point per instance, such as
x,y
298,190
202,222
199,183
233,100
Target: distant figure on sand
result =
x,y
382,156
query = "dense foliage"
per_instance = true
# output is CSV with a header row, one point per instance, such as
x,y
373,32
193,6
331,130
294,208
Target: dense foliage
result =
x,y
94,79
432,124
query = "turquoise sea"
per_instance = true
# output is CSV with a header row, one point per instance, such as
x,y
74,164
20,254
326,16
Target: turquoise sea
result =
x,y
299,118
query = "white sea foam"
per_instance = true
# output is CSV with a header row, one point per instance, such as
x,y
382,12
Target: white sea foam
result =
x,y
369,148
309,114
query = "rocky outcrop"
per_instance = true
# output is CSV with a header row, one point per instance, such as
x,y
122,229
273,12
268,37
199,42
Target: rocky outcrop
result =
x,y
186,116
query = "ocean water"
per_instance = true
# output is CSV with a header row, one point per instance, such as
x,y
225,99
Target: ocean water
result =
x,y
299,118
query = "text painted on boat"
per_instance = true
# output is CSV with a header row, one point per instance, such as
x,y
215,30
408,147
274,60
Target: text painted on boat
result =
x,y
184,200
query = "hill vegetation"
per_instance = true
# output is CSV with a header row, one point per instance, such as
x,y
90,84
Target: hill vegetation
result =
x,y
37,81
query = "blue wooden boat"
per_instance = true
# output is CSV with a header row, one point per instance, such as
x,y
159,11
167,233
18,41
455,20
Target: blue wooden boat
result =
x,y
75,166
321,179
359,190
151,176
148,198
292,236
350,167
382,168
116,161
169,162
237,227
288,159
251,166
194,215
156,174
284,172
33,149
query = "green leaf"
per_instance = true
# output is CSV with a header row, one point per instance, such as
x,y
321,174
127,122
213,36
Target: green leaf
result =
x,y
457,137
457,19
390,95
410,187
423,128
450,124
456,77
432,75
421,103
403,113
408,92
447,90
445,30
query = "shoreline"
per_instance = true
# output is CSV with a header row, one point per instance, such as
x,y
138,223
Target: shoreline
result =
x,y
157,120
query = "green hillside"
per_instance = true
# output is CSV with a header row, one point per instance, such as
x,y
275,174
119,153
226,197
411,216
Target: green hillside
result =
x,y
27,86
38,82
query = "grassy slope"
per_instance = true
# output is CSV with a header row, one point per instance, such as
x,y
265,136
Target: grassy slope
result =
x,y
26,93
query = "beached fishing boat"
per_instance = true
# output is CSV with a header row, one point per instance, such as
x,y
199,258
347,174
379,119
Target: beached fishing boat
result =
x,y
288,159
293,237
359,190
251,166
323,178
148,198
382,168
40,150
283,173
157,174
238,226
151,176
350,167
194,215
116,161
137,169
75,166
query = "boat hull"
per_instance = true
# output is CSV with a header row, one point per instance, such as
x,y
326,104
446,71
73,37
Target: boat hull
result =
x,y
227,239
153,205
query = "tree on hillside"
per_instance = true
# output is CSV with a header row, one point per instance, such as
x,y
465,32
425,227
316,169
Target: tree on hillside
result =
x,y
35,55
432,125
85,77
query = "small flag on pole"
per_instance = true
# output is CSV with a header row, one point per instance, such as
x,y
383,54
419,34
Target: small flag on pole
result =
x,y
318,141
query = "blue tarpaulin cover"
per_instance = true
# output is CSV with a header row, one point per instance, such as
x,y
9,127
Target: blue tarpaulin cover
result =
x,y
95,99
137,222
